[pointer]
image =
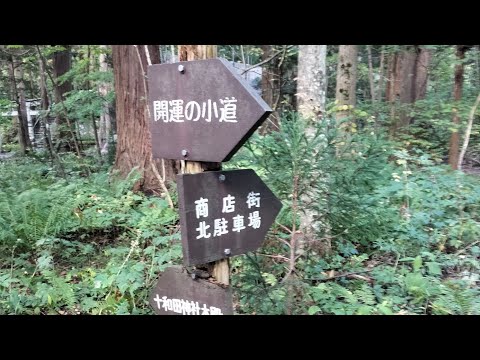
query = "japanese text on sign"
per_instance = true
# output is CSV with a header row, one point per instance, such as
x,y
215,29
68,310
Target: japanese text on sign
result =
x,y
185,307
177,111
221,225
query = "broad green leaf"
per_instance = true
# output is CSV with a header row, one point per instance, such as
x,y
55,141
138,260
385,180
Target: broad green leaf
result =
x,y
434,268
313,310
417,263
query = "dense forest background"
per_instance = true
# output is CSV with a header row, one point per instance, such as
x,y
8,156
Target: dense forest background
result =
x,y
373,149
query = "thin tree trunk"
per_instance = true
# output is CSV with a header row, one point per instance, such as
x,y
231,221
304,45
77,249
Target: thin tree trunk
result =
x,y
477,62
370,73
311,99
381,71
468,131
32,89
65,113
62,63
92,117
218,269
271,87
453,155
312,81
346,87
103,89
45,103
16,75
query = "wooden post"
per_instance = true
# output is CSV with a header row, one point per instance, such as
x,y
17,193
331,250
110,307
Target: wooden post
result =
x,y
219,269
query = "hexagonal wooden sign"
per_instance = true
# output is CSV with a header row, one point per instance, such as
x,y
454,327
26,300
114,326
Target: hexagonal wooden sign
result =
x,y
223,213
176,293
201,110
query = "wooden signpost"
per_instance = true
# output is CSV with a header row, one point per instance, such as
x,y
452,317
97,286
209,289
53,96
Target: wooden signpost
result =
x,y
177,294
223,213
203,111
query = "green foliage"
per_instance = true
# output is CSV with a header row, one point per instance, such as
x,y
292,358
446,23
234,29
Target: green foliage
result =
x,y
395,218
400,227
85,101
82,245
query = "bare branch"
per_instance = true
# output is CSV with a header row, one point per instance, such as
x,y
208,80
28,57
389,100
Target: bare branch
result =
x,y
267,60
283,227
55,84
467,133
162,183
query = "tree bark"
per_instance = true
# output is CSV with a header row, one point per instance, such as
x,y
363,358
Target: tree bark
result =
x,y
408,78
45,103
312,81
271,88
346,85
90,64
104,88
381,72
453,155
311,99
133,148
16,74
370,73
62,63
468,131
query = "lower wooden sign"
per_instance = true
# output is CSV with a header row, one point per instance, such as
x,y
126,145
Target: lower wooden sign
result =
x,y
176,293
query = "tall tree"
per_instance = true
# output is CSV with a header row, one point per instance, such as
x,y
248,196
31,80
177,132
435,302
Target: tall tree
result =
x,y
468,131
62,63
311,98
312,81
16,76
133,148
346,83
104,89
370,73
453,153
381,74
271,85
407,83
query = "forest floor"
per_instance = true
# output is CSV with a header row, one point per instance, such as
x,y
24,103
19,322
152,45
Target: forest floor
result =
x,y
6,155
90,245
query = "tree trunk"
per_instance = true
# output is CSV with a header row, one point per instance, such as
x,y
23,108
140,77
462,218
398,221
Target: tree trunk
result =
x,y
90,65
380,73
468,131
132,115
218,269
312,81
346,85
62,63
271,88
370,73
457,96
16,75
311,98
104,88
45,103
408,77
